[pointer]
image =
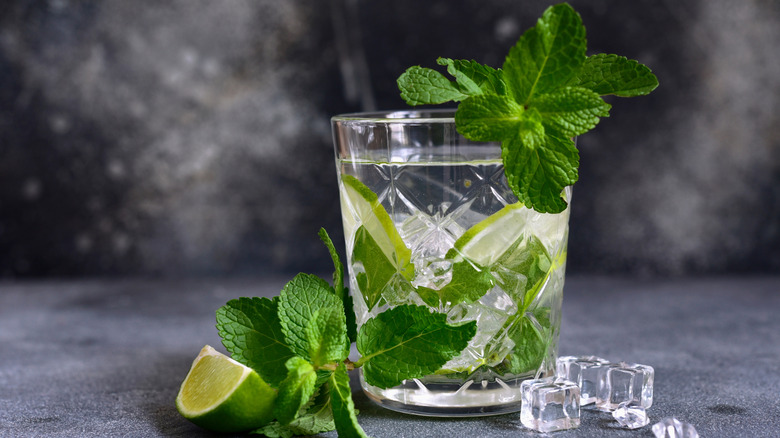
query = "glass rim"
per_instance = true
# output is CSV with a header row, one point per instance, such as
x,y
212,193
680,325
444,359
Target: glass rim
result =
x,y
411,116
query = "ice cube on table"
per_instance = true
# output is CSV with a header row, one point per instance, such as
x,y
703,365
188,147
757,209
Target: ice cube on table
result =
x,y
550,404
631,416
585,371
674,428
625,382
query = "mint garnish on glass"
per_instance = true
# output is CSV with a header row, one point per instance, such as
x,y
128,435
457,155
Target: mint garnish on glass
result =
x,y
546,93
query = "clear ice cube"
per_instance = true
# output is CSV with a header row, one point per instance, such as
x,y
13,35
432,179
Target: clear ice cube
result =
x,y
631,416
674,428
586,371
625,382
434,274
549,405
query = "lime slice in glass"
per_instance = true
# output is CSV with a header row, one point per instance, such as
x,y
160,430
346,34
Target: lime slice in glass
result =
x,y
488,239
222,395
362,207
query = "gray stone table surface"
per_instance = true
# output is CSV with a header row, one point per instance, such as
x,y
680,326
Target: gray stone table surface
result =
x,y
106,357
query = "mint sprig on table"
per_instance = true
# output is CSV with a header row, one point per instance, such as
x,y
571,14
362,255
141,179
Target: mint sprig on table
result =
x,y
546,93
299,343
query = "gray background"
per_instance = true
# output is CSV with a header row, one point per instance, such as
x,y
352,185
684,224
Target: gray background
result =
x,y
192,137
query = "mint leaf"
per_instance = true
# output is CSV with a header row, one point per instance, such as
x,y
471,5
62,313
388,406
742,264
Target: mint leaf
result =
x,y
338,286
408,342
522,269
299,300
349,309
547,55
530,347
489,118
468,284
474,78
327,335
538,175
251,331
613,74
424,86
338,272
373,269
295,390
571,111
344,415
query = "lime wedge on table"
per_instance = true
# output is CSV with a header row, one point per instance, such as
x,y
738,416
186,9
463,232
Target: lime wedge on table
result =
x,y
486,241
222,395
362,207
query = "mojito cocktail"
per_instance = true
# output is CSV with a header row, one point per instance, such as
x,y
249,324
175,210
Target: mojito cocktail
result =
x,y
429,220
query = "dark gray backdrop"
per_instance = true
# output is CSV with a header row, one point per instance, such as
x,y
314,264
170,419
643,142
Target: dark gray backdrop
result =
x,y
192,137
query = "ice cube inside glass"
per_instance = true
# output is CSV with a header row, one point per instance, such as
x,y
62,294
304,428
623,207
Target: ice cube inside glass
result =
x,y
430,220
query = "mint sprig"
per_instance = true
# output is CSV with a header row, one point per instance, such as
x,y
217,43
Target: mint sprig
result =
x,y
299,344
547,92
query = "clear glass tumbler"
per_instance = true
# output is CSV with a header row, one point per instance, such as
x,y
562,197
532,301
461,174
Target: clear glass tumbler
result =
x,y
435,211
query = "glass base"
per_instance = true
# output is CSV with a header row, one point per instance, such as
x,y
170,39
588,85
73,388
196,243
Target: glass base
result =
x,y
438,399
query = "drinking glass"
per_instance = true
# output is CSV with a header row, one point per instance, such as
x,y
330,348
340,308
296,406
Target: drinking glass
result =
x,y
434,206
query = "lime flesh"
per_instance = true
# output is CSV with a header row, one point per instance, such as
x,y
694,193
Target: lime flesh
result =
x,y
222,395
487,240
362,207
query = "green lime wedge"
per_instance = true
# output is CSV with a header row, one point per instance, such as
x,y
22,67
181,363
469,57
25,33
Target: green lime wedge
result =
x,y
361,206
487,240
222,395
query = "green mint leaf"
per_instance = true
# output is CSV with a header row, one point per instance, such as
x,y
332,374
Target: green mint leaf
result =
x,y
338,286
613,74
349,309
474,78
338,272
538,175
571,111
318,417
530,347
408,342
489,118
373,269
344,415
314,418
327,335
468,284
251,332
522,269
295,390
424,86
547,55
299,300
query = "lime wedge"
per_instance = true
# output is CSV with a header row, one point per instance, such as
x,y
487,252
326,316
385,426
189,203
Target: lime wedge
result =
x,y
222,395
361,206
487,240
